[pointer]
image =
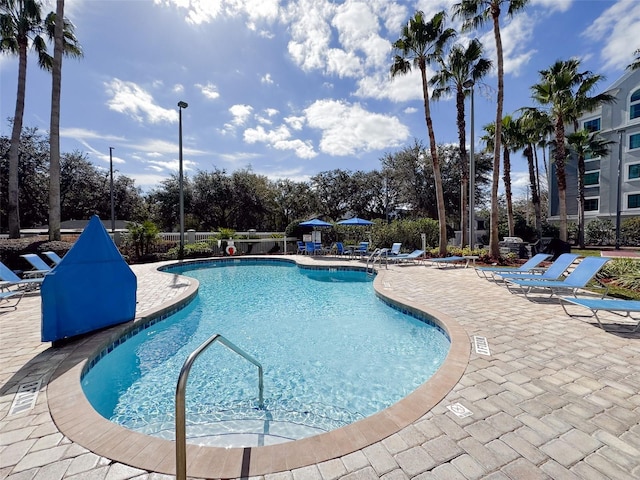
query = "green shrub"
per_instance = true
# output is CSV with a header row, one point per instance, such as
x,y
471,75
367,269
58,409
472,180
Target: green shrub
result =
x,y
600,232
630,231
191,250
623,272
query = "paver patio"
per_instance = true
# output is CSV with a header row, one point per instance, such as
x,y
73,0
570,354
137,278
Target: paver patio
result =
x,y
556,398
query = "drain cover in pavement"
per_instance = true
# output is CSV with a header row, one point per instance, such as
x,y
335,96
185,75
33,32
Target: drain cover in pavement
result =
x,y
26,397
460,410
481,345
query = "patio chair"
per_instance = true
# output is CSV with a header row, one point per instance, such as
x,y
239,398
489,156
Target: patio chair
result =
x,y
340,249
40,268
528,267
606,304
310,248
7,275
579,278
10,295
554,272
362,249
301,248
53,257
412,257
318,249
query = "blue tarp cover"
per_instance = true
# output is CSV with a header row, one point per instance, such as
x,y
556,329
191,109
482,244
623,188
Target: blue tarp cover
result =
x,y
90,289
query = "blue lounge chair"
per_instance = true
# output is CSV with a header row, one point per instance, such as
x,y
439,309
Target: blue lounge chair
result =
x,y
7,275
395,249
411,257
10,295
340,249
55,258
301,248
442,262
579,278
40,268
527,267
554,272
362,250
606,304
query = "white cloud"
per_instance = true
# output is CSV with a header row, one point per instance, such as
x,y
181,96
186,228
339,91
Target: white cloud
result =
x,y
295,122
310,32
82,133
410,110
280,139
350,129
401,88
205,11
267,79
516,36
178,88
240,114
553,5
132,100
209,90
617,29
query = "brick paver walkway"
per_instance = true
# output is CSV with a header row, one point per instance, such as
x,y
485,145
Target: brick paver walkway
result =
x,y
557,397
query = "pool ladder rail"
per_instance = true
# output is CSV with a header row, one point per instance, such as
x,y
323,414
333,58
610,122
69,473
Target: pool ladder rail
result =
x,y
181,427
378,256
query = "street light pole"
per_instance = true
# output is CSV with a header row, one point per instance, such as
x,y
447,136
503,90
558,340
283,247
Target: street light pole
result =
x,y
472,171
618,191
181,105
113,208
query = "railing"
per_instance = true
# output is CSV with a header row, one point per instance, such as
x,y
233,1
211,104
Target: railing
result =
x,y
181,424
378,255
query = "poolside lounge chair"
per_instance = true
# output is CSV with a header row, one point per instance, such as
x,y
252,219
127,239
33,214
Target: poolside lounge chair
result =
x,y
606,304
340,249
579,278
53,257
6,275
554,272
527,267
442,262
362,249
10,295
414,256
39,266
395,249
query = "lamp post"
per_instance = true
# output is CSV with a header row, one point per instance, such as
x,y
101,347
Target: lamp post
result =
x,y
113,208
618,191
181,105
472,171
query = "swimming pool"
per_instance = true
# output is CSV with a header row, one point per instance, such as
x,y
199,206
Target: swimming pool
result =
x,y
333,353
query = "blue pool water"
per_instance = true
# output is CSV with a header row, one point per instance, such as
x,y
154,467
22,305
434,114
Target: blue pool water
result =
x,y
332,353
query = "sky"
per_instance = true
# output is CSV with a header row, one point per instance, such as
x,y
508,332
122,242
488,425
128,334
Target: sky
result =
x,y
287,88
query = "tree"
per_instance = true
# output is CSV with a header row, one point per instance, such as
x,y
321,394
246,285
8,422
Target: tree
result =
x,y
420,44
459,66
566,92
22,26
584,143
636,63
476,13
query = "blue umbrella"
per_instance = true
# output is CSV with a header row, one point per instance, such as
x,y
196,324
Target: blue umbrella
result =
x,y
355,221
315,223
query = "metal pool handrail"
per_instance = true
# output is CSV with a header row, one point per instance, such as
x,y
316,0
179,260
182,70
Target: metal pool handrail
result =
x,y
181,428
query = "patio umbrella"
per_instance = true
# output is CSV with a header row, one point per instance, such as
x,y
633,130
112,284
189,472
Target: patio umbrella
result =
x,y
355,221
316,223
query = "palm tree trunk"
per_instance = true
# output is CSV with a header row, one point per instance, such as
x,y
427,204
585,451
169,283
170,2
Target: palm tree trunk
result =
x,y
13,187
442,220
464,166
507,189
533,183
54,134
494,249
561,176
581,170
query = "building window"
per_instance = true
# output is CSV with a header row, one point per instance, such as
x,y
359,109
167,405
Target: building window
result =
x,y
634,171
590,204
633,201
591,178
634,141
592,125
634,105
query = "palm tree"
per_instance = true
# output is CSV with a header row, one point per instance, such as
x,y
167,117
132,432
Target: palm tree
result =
x,y
534,126
22,25
584,143
54,129
420,44
636,63
566,92
458,67
475,14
